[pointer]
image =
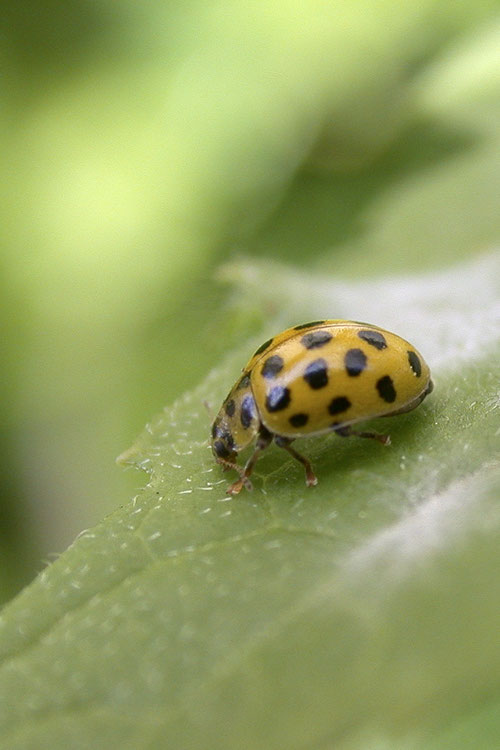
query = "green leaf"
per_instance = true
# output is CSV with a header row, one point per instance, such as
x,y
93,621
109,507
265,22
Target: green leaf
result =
x,y
287,617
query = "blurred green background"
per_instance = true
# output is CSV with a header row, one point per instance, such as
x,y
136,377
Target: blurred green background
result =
x,y
145,144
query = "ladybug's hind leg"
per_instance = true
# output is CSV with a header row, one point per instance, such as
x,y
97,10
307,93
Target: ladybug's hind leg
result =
x,y
282,442
348,432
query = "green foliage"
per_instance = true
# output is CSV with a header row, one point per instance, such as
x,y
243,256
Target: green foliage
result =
x,y
353,152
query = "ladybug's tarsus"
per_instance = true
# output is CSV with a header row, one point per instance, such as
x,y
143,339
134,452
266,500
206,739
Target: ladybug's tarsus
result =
x,y
236,487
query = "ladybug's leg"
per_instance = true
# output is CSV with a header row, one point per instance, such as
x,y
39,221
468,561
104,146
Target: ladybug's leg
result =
x,y
227,465
311,478
348,431
262,443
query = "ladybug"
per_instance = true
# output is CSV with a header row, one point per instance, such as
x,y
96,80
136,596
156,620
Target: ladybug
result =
x,y
313,379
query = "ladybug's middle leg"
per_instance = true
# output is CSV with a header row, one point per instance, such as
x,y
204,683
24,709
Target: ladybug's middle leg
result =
x,y
282,442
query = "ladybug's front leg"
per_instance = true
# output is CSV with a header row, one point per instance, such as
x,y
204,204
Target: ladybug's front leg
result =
x,y
262,443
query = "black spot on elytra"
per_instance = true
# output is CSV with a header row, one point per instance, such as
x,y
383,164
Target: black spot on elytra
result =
x,y
247,411
244,382
230,407
272,366
309,325
415,363
263,347
355,362
374,338
278,398
386,389
316,374
315,339
338,405
299,420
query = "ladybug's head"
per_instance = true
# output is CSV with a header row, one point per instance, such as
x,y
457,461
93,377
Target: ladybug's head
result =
x,y
236,424
223,446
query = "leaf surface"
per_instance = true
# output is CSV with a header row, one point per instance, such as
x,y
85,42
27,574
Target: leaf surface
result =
x,y
286,617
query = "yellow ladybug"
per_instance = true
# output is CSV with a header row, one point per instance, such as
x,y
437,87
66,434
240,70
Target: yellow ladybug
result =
x,y
312,379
